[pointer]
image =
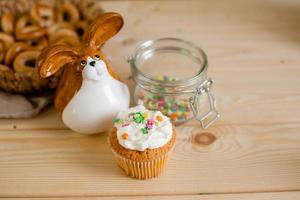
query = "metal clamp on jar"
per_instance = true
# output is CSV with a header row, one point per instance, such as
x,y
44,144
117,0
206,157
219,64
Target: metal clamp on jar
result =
x,y
171,76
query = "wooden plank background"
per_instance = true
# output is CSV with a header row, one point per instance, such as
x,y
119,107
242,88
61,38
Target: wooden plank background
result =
x,y
251,196
254,56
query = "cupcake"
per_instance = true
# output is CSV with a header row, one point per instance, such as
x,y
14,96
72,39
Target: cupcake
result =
x,y
141,141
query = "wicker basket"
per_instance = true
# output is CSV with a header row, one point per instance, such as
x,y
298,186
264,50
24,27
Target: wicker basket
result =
x,y
16,82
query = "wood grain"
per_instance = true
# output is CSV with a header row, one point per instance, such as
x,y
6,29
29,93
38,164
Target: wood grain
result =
x,y
243,158
245,196
48,119
253,51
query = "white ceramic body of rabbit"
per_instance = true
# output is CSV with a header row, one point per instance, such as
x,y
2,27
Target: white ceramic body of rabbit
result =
x,y
100,98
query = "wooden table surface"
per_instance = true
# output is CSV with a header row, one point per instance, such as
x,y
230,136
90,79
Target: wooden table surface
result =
x,y
254,57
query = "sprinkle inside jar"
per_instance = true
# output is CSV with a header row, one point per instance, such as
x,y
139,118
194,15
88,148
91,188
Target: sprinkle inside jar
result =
x,y
171,76
174,106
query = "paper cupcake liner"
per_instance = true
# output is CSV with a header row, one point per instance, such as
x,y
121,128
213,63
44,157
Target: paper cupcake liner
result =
x,y
142,170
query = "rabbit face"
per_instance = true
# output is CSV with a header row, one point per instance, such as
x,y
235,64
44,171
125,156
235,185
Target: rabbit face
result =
x,y
94,68
56,56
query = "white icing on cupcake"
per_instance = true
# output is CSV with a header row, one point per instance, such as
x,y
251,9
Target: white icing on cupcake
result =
x,y
139,129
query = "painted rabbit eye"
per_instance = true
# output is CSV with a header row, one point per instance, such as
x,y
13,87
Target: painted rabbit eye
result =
x,y
97,57
83,62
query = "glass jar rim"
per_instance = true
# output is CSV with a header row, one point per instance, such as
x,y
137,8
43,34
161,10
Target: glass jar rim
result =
x,y
204,65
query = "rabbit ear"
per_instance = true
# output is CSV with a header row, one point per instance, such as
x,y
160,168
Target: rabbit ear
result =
x,y
55,57
104,27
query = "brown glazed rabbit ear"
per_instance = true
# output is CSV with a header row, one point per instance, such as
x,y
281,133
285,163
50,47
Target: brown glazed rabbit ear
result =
x,y
55,57
103,28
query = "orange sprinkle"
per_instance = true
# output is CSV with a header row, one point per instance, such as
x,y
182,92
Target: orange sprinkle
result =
x,y
173,116
159,118
124,136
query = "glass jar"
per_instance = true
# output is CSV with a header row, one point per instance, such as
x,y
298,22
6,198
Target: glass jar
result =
x,y
171,76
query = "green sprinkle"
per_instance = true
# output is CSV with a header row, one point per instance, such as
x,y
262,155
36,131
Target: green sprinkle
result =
x,y
138,117
117,120
144,130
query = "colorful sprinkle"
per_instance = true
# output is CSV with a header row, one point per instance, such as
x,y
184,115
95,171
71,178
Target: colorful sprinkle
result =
x,y
177,107
173,116
144,130
117,120
161,102
126,124
150,124
145,115
138,117
124,136
159,118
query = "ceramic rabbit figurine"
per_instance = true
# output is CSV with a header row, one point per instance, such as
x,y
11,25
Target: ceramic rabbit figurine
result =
x,y
90,93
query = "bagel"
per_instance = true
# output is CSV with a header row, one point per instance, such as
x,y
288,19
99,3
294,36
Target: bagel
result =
x,y
30,33
5,8
64,34
70,41
22,6
7,39
39,44
86,6
2,51
25,62
8,23
81,28
4,68
28,29
25,21
67,12
58,26
14,50
43,14
94,11
52,3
